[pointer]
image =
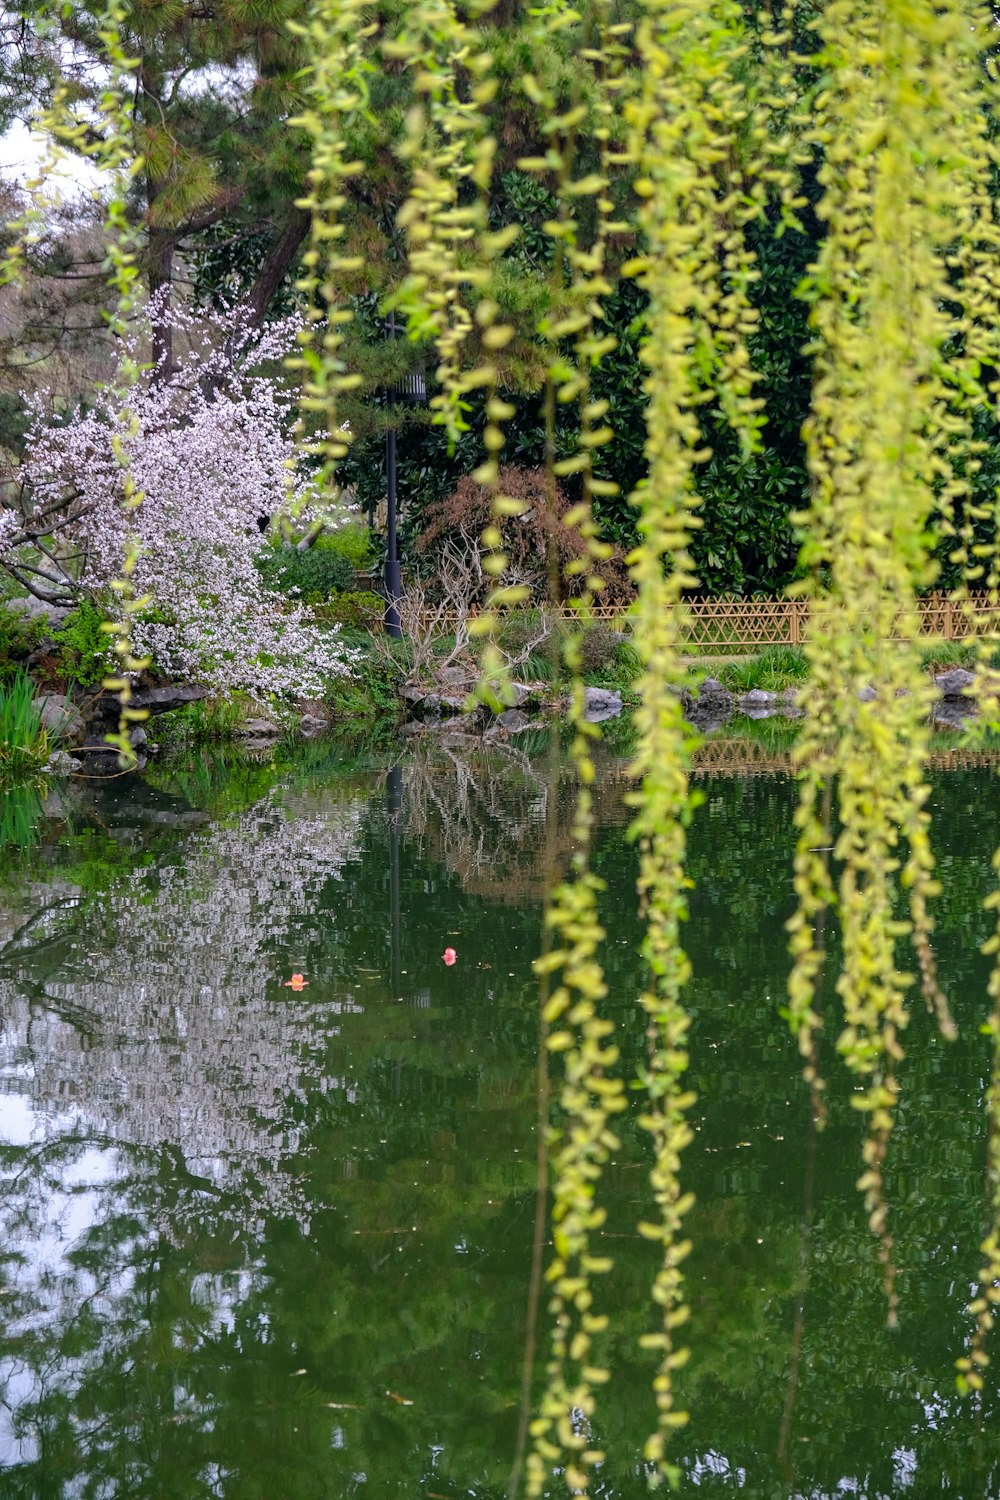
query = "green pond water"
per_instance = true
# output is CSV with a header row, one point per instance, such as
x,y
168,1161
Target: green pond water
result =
x,y
273,1244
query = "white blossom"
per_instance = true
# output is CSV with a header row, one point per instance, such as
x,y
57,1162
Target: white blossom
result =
x,y
212,449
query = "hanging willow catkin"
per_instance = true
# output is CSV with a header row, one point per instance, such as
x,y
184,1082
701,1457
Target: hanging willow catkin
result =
x,y
590,1091
337,89
449,149
898,280
696,271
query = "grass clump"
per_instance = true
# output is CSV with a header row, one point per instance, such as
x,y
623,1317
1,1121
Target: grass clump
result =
x,y
24,744
944,654
773,669
207,720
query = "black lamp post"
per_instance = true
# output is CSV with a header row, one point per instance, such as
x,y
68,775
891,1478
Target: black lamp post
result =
x,y
413,389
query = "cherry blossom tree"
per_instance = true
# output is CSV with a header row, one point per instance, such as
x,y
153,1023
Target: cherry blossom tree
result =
x,y
211,448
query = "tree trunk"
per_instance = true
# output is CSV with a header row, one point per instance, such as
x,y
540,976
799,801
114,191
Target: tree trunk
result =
x,y
279,258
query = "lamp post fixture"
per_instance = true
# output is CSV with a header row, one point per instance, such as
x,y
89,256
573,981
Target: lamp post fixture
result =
x,y
413,389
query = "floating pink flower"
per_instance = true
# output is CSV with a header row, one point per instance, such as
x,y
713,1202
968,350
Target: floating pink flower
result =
x,y
297,982
449,955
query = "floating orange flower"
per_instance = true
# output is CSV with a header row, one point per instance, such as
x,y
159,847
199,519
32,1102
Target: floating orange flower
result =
x,y
449,955
297,982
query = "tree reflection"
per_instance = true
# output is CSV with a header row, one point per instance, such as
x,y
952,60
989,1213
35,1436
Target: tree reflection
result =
x,y
155,1014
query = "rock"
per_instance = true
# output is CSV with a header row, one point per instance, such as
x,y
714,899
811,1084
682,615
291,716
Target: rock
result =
x,y
713,694
59,717
160,700
955,682
258,729
45,648
412,692
60,764
711,708
758,700
104,711
138,737
513,720
39,609
525,692
600,704
952,713
867,694
311,725
412,726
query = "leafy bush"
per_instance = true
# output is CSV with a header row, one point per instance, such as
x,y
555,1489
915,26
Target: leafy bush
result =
x,y
310,577
599,649
17,636
371,690
354,609
82,646
353,543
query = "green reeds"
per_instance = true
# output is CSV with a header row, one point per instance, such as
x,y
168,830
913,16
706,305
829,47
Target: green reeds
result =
x,y
24,743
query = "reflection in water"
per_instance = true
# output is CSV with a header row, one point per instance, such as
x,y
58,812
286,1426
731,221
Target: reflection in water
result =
x,y
258,1243
154,1013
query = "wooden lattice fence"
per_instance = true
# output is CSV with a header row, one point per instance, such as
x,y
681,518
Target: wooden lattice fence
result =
x,y
742,627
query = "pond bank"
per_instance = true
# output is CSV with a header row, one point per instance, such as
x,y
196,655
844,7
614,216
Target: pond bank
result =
x,y
395,690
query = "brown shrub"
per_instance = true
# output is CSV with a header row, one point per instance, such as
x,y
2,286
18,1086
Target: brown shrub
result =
x,y
454,527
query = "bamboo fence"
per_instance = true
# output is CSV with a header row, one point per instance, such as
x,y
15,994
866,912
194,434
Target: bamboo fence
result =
x,y
745,626
742,627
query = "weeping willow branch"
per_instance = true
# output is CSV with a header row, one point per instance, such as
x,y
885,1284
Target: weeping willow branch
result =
x,y
696,271
899,279
337,91
590,1094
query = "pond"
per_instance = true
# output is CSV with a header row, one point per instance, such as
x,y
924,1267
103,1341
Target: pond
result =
x,y
270,1242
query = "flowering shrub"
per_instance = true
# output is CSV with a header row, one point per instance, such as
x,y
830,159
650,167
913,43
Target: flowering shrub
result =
x,y
211,449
